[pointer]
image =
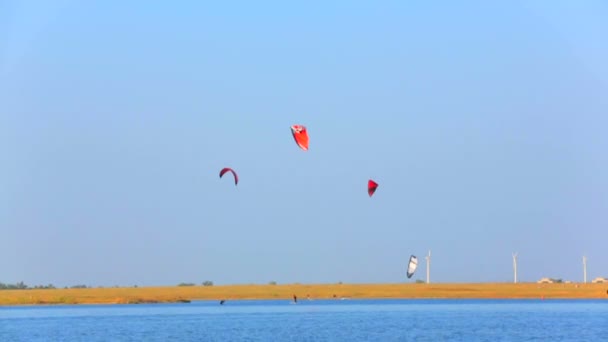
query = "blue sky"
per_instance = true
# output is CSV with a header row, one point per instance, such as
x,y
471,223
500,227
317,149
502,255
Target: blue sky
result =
x,y
483,122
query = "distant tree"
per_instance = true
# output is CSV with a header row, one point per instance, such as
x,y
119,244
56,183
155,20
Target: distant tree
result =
x,y
420,281
272,282
207,283
19,286
185,284
80,286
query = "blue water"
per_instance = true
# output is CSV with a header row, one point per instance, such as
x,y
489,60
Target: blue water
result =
x,y
316,320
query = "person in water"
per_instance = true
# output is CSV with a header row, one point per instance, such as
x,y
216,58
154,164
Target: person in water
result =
x,y
295,298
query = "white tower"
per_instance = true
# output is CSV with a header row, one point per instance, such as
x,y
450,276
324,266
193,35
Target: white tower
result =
x,y
514,268
428,268
585,269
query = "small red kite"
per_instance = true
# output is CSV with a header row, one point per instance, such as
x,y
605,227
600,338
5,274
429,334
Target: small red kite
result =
x,y
300,136
227,169
371,187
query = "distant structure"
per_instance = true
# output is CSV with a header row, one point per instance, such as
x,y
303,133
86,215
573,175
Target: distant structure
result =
x,y
514,268
546,281
428,268
600,280
584,269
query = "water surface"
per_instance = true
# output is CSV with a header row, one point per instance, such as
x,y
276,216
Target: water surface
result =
x,y
314,320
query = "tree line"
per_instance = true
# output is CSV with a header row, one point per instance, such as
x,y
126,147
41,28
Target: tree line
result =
x,y
205,283
22,286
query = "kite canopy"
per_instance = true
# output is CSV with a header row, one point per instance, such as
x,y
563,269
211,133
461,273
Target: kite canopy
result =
x,y
300,135
411,268
227,169
371,187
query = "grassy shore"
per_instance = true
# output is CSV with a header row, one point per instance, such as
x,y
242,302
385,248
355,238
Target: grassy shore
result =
x,y
317,291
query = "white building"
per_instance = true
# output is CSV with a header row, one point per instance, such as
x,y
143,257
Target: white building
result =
x,y
545,281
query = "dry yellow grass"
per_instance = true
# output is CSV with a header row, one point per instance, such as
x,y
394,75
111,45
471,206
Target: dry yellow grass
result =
x,y
318,291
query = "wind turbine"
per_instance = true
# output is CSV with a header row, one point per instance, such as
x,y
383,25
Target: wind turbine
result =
x,y
428,268
585,269
514,267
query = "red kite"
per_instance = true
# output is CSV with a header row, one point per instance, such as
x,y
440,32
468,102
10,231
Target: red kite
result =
x,y
371,187
227,169
300,136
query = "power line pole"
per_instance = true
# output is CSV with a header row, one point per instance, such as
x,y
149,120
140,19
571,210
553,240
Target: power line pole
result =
x,y
585,269
428,268
514,268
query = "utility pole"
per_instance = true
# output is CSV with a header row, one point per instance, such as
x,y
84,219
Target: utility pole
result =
x,y
428,268
514,268
585,269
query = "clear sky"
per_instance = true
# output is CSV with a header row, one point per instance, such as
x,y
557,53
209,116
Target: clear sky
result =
x,y
484,122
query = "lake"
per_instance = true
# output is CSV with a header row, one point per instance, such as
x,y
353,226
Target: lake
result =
x,y
313,320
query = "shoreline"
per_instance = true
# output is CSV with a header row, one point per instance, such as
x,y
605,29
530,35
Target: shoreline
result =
x,y
185,294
